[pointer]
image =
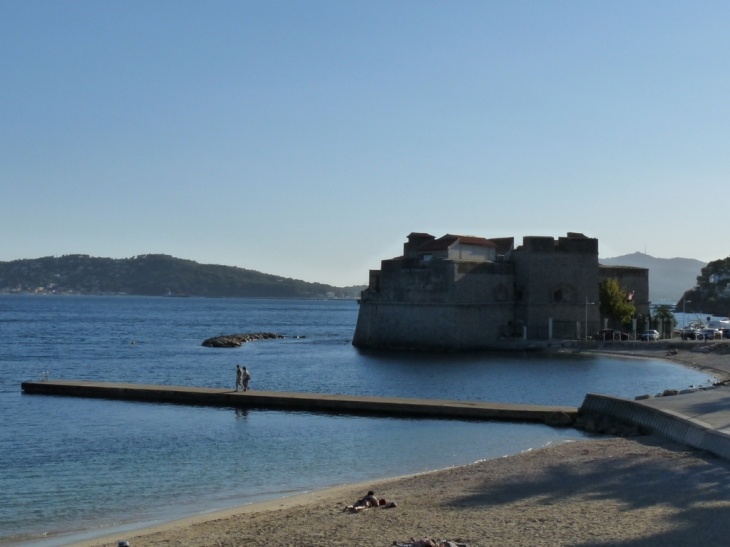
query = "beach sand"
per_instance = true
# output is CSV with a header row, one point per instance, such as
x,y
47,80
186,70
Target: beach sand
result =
x,y
639,491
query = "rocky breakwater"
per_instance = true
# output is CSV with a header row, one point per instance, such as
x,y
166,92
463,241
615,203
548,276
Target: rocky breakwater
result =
x,y
237,340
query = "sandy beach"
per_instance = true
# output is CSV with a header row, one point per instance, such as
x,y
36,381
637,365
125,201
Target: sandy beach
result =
x,y
638,491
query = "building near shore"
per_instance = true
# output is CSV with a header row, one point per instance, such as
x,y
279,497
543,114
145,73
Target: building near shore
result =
x,y
465,292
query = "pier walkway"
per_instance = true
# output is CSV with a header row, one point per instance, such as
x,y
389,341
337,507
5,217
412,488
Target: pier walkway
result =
x,y
309,402
700,419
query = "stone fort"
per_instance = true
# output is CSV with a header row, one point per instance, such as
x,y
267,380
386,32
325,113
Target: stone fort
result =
x,y
465,292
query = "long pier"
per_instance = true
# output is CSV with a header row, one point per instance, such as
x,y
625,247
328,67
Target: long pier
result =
x,y
309,402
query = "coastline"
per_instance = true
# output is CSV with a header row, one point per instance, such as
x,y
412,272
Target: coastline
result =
x,y
597,492
299,519
710,357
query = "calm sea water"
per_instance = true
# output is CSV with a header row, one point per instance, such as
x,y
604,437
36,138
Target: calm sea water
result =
x,y
71,469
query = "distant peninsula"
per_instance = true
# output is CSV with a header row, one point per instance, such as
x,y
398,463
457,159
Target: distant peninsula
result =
x,y
153,275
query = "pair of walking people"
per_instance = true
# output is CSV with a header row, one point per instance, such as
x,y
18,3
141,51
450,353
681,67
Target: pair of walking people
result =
x,y
243,377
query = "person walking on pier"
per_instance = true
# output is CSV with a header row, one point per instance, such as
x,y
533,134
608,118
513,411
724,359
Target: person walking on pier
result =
x,y
239,377
246,379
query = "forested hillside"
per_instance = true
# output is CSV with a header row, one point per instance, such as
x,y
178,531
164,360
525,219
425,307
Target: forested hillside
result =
x,y
153,275
711,294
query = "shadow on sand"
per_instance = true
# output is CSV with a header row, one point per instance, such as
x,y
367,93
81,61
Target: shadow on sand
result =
x,y
633,482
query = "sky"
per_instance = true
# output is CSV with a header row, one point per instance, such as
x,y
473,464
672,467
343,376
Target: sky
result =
x,y
307,139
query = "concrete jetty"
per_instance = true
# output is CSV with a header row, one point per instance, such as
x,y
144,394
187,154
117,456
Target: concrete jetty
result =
x,y
310,402
700,419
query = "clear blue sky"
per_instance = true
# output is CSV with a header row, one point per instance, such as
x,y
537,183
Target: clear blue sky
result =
x,y
307,139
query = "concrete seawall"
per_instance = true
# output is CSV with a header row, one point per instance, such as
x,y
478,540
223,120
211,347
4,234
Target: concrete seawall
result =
x,y
699,420
310,402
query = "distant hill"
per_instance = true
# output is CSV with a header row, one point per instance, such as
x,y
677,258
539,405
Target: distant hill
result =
x,y
668,277
153,275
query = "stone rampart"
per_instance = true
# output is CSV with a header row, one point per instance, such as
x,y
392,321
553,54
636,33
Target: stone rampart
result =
x,y
545,289
403,325
555,281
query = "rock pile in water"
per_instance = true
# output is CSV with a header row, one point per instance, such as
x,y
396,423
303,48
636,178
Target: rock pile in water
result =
x,y
237,340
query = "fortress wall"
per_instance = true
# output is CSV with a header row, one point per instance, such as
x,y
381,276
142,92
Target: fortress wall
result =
x,y
554,282
504,244
585,245
481,283
415,240
411,281
468,304
430,326
481,324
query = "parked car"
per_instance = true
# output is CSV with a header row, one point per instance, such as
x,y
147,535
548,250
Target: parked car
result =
x,y
691,334
726,333
612,334
710,334
649,335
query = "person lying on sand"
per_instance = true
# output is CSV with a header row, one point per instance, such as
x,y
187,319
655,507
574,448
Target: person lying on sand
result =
x,y
426,542
369,501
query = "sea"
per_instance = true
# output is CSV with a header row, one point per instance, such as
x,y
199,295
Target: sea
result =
x,y
73,469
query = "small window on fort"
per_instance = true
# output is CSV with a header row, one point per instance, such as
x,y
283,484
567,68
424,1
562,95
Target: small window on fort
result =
x,y
426,257
558,295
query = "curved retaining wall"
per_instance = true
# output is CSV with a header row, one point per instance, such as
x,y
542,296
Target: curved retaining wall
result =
x,y
665,423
